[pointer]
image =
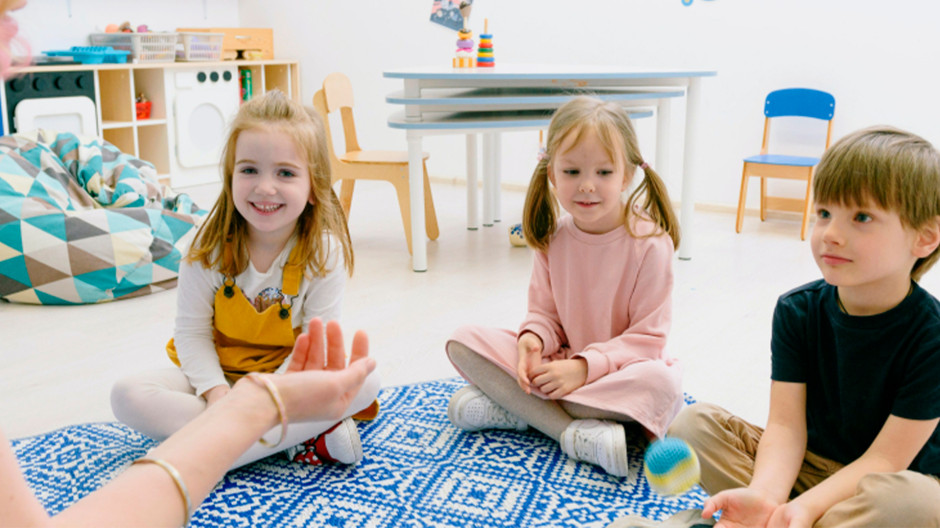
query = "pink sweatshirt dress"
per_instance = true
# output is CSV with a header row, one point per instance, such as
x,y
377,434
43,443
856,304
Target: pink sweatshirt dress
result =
x,y
608,299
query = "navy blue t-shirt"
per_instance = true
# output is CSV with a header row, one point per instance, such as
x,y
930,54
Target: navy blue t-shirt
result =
x,y
858,370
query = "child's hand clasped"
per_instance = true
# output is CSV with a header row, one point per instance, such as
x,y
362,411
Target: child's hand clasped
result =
x,y
559,378
556,379
215,394
530,356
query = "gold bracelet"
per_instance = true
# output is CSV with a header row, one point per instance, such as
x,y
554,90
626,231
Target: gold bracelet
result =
x,y
177,479
278,402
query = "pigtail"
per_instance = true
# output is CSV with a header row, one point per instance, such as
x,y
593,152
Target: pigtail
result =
x,y
540,210
656,204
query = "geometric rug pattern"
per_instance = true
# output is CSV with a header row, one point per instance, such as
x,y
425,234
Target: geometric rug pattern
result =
x,y
418,470
82,222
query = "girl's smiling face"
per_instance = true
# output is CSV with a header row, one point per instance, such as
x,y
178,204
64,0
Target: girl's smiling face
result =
x,y
270,183
588,183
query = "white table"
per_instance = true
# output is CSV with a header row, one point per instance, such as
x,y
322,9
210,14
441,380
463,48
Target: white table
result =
x,y
444,100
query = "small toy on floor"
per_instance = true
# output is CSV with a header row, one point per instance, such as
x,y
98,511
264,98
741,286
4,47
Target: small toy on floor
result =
x,y
671,466
516,238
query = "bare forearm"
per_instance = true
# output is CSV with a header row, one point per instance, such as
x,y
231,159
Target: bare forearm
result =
x,y
779,458
842,484
201,452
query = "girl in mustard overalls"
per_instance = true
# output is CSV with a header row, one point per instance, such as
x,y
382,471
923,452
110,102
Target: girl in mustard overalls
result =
x,y
272,255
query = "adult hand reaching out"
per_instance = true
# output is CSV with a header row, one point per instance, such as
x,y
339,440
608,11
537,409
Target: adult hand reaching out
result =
x,y
318,383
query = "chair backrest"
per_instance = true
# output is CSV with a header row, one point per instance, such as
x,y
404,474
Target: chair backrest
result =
x,y
800,102
319,104
338,95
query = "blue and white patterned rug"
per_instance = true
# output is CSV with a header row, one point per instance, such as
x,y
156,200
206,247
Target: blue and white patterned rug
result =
x,y
418,470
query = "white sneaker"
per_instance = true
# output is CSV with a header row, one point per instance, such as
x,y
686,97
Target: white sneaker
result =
x,y
599,442
471,410
341,443
338,444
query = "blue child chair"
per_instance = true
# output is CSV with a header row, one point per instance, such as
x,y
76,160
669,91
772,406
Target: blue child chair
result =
x,y
799,102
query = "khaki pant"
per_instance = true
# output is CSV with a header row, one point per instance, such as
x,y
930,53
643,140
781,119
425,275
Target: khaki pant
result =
x,y
727,447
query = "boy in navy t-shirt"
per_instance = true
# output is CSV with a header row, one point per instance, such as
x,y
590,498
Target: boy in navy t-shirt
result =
x,y
852,437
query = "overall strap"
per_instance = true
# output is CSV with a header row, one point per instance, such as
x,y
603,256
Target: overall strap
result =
x,y
293,273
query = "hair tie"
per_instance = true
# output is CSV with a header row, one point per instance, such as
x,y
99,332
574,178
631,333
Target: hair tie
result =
x,y
644,166
542,154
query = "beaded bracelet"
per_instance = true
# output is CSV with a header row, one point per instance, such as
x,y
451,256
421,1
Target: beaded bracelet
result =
x,y
177,479
278,402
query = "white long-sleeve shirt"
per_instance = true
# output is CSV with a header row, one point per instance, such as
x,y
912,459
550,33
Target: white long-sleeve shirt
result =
x,y
317,297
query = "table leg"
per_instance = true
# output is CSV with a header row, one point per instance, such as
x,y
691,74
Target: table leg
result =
x,y
488,175
419,241
473,206
663,138
693,99
497,177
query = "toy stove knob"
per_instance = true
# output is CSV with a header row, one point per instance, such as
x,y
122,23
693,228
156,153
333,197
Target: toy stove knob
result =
x,y
81,81
59,83
214,76
17,85
227,75
201,77
39,84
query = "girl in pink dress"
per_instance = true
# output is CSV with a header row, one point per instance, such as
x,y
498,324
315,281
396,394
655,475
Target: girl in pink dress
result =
x,y
589,355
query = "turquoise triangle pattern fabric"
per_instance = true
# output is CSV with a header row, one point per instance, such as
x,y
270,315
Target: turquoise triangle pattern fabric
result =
x,y
417,470
78,203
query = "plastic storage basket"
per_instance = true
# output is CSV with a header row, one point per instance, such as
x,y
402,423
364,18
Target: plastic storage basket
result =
x,y
144,47
200,46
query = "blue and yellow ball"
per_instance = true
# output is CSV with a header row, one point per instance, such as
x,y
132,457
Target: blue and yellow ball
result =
x,y
671,467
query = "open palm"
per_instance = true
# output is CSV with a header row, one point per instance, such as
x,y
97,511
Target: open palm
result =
x,y
740,508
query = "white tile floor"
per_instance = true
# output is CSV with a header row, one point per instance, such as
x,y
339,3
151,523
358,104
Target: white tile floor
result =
x,y
58,363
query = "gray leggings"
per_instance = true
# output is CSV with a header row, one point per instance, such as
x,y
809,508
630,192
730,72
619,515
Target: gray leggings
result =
x,y
551,417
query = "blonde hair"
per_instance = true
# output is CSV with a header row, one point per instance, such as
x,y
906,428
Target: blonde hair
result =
x,y
324,216
612,125
893,169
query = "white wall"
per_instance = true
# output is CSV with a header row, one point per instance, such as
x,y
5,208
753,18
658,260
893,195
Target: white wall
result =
x,y
61,24
878,58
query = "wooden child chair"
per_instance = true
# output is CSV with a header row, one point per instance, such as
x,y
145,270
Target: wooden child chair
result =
x,y
357,164
799,102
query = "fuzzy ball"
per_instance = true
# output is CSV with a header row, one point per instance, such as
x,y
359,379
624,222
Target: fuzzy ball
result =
x,y
671,466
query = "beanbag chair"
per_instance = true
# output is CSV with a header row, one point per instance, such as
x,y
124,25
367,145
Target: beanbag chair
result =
x,y
82,222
